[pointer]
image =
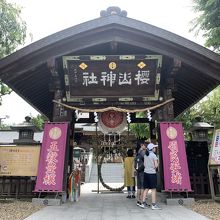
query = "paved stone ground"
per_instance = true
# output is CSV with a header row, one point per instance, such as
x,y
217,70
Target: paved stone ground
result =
x,y
114,206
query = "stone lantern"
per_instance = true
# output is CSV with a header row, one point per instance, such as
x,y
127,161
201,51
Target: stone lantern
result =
x,y
26,132
199,130
197,151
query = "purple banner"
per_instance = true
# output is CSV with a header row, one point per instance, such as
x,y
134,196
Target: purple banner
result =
x,y
52,156
176,173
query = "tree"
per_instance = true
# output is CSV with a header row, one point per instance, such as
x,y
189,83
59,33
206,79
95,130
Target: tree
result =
x,y
12,34
208,109
12,28
208,21
140,130
188,117
39,121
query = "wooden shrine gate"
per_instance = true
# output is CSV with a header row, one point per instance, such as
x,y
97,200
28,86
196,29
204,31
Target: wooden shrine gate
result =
x,y
113,63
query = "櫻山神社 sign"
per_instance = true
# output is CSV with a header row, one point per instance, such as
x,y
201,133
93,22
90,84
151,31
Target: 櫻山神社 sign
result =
x,y
115,76
175,166
19,160
52,157
214,158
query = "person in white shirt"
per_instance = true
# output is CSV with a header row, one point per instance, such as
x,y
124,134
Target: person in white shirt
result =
x,y
150,176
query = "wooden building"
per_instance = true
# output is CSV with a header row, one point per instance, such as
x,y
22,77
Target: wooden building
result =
x,y
75,69
188,72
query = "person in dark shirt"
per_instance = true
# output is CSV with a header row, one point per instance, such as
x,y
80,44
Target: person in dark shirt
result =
x,y
139,167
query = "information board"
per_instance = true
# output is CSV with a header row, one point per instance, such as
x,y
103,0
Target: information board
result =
x,y
19,160
214,158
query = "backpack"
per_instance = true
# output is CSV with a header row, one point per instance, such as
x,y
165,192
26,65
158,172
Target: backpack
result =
x,y
139,163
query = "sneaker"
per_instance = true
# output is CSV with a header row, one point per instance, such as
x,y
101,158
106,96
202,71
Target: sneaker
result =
x,y
133,197
143,206
128,197
138,203
147,205
155,207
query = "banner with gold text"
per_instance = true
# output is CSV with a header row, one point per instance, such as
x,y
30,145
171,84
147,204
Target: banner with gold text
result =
x,y
176,173
52,158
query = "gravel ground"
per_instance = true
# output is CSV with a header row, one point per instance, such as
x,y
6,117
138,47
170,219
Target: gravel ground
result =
x,y
207,208
19,210
16,209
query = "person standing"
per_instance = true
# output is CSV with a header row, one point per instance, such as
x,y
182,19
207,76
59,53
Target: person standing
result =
x,y
129,179
139,168
150,176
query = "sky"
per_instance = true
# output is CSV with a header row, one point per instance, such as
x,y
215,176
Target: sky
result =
x,y
45,17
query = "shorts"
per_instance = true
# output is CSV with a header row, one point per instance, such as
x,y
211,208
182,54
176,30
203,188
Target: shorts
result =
x,y
150,181
140,180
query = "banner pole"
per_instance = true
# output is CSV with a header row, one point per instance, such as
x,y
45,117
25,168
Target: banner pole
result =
x,y
97,155
211,182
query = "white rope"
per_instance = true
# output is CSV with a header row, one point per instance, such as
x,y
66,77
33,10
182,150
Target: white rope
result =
x,y
114,108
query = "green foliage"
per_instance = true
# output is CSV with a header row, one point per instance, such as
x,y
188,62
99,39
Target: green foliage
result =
x,y
208,109
140,130
12,28
208,21
12,34
4,90
4,127
39,121
187,117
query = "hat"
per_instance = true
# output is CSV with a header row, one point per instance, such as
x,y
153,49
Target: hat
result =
x,y
151,146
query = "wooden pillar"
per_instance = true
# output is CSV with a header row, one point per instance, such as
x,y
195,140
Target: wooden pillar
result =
x,y
55,86
165,113
72,133
59,113
152,130
168,113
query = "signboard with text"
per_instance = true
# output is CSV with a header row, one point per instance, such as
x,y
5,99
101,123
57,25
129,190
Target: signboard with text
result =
x,y
19,160
214,158
119,77
175,166
52,158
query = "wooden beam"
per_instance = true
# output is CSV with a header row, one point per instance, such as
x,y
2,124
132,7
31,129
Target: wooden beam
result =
x,y
138,120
